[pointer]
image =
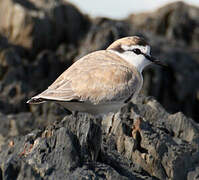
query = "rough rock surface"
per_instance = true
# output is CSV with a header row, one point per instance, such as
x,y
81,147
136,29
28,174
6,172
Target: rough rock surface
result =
x,y
143,141
40,39
176,21
102,33
36,25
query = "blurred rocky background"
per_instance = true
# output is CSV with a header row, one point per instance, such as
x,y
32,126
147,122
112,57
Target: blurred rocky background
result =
x,y
151,139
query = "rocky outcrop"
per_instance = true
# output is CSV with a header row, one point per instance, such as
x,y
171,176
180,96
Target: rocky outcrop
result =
x,y
102,33
176,21
40,39
37,25
143,141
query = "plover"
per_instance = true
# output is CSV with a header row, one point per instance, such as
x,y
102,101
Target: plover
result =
x,y
102,81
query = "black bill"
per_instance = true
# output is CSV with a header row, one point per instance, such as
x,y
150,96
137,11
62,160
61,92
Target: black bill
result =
x,y
154,60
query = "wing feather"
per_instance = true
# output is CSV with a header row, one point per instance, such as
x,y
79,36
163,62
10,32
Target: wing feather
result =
x,y
98,78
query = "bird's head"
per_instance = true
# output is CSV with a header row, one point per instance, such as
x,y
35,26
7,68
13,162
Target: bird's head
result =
x,y
135,50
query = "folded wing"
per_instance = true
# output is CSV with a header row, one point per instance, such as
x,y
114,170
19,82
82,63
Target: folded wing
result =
x,y
100,77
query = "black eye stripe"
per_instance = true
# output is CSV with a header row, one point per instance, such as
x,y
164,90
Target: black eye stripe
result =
x,y
137,51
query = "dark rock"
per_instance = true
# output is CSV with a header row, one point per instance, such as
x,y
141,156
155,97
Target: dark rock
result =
x,y
14,125
162,143
96,171
22,123
37,25
18,77
193,175
177,21
143,141
175,87
102,33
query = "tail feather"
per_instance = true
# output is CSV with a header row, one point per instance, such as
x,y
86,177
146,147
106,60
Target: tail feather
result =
x,y
36,101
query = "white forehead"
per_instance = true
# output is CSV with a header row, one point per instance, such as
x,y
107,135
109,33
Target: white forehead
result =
x,y
145,49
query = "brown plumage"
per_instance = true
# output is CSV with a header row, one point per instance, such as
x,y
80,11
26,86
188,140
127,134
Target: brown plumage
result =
x,y
99,82
99,77
128,41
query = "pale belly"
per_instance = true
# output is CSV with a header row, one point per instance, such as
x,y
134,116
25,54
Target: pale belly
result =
x,y
92,109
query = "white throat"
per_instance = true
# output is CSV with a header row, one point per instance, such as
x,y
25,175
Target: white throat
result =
x,y
138,61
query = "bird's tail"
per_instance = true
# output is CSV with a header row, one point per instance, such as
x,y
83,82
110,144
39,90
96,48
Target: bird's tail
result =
x,y
36,101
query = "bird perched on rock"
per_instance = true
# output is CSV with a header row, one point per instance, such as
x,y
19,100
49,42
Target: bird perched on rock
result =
x,y
102,81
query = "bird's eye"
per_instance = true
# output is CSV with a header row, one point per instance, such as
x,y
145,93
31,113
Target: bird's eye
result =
x,y
137,51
